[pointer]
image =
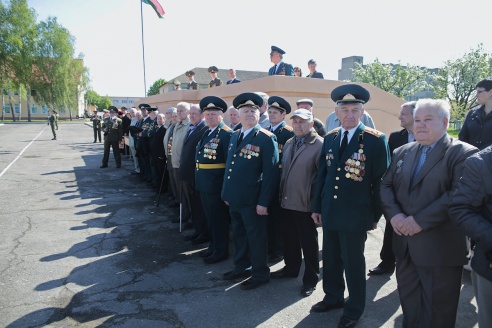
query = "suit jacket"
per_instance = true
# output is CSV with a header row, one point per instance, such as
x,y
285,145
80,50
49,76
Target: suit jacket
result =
x,y
282,69
349,201
212,149
316,75
126,124
112,129
237,127
157,145
252,174
397,139
187,165
234,80
440,243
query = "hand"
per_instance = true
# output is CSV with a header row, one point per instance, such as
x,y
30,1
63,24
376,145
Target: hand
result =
x,y
316,218
410,227
397,222
261,210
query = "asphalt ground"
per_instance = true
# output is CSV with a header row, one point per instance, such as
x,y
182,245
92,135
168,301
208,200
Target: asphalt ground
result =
x,y
82,246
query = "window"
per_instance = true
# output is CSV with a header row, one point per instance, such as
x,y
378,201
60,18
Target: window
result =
x,y
6,109
124,101
115,101
131,101
16,109
44,109
34,109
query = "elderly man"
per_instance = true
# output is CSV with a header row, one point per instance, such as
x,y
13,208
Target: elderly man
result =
x,y
211,154
299,170
395,140
430,250
318,125
131,140
232,77
180,132
471,210
146,136
159,154
333,122
250,181
234,118
278,108
169,117
196,129
263,120
279,67
112,136
346,201
168,141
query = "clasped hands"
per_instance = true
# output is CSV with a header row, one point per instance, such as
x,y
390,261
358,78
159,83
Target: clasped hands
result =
x,y
405,225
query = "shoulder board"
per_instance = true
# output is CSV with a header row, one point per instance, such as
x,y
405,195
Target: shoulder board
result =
x,y
288,128
226,128
333,131
374,132
268,133
237,131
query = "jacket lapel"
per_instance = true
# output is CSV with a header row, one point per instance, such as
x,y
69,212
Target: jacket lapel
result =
x,y
433,157
248,138
352,146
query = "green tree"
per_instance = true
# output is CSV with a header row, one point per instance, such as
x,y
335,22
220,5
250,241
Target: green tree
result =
x,y
154,89
104,102
54,56
401,81
92,97
456,80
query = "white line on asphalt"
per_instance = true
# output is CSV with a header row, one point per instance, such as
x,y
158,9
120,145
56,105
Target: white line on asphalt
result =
x,y
20,154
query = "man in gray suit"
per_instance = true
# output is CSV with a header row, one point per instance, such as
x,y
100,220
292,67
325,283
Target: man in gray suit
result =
x,y
430,250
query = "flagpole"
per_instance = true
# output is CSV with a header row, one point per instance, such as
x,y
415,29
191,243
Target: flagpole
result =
x,y
143,47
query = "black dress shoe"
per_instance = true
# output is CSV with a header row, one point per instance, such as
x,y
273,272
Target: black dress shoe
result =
x,y
103,166
346,322
275,258
381,270
307,291
252,283
205,253
235,274
191,237
200,240
215,259
282,273
323,307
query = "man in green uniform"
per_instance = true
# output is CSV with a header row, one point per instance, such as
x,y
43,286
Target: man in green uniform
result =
x,y
52,122
250,183
192,85
215,82
211,154
347,202
113,133
96,126
277,109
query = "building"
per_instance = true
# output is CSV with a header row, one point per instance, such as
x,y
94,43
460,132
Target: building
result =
x,y
127,102
350,63
202,77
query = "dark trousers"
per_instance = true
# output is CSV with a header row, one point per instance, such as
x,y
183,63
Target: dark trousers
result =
x,y
275,233
192,197
53,129
300,233
344,252
116,152
217,215
185,205
387,256
159,169
146,169
250,241
97,133
429,296
172,182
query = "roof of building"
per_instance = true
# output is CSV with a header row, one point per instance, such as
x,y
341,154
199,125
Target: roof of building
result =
x,y
202,76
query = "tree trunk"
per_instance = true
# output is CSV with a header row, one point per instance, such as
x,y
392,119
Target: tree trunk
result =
x,y
20,104
3,106
28,101
10,102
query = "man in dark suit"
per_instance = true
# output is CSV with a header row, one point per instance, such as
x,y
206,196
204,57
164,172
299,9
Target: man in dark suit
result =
x,y
278,108
234,118
192,85
346,201
215,82
113,134
159,154
187,176
211,154
232,77
415,192
279,67
312,70
396,139
250,182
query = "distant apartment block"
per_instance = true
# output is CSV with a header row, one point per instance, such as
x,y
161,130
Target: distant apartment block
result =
x,y
127,102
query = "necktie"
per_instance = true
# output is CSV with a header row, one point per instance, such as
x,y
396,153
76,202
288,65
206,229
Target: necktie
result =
x,y
274,69
271,128
241,136
423,157
343,146
192,128
297,145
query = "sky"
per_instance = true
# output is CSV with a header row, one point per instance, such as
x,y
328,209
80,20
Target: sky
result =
x,y
238,34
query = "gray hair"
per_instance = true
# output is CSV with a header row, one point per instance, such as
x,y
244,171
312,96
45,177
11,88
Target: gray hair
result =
x,y
161,116
172,110
411,105
185,105
442,107
265,98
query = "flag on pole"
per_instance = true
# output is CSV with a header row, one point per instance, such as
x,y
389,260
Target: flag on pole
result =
x,y
157,7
